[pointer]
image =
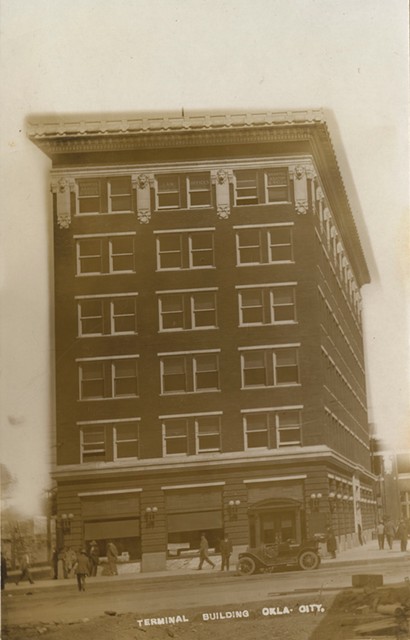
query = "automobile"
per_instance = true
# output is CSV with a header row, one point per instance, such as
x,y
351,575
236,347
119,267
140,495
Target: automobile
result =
x,y
268,557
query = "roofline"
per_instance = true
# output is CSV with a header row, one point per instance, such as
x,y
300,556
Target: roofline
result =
x,y
93,134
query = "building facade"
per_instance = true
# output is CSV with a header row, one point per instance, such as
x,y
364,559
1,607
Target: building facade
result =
x,y
209,349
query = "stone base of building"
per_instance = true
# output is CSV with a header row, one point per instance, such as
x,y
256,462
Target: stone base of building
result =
x,y
154,561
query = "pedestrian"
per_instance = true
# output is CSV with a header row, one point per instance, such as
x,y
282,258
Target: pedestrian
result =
x,y
94,558
389,533
331,542
25,568
82,569
61,567
70,559
54,563
3,570
380,535
204,553
112,555
226,550
402,534
359,534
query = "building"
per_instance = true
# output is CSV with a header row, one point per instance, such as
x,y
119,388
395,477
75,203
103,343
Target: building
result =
x,y
209,349
393,471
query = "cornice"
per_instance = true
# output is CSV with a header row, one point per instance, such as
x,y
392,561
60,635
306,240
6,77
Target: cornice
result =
x,y
99,136
166,123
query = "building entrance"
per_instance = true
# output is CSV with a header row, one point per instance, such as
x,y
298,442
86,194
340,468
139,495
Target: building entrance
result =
x,y
275,523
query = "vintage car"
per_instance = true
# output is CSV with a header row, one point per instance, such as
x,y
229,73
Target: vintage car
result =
x,y
269,557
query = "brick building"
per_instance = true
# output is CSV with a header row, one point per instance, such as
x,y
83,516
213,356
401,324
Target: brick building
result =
x,y
209,350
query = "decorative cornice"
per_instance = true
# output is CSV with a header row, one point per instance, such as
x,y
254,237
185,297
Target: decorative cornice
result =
x,y
96,135
132,126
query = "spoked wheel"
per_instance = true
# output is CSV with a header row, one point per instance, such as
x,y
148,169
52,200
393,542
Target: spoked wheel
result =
x,y
246,566
309,560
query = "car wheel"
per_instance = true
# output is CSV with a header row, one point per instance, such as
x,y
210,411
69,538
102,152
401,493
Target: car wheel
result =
x,y
308,560
246,566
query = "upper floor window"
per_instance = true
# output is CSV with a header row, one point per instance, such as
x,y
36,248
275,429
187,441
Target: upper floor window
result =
x,y
100,379
256,186
104,195
183,191
185,250
107,442
182,310
264,244
192,434
107,316
199,190
271,429
97,255
266,305
269,367
190,372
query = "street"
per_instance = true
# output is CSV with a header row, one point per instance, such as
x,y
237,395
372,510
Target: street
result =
x,y
175,594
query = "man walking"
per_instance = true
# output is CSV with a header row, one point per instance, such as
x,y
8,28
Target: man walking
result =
x,y
402,535
112,555
25,568
82,569
226,550
389,533
203,553
331,542
380,535
94,558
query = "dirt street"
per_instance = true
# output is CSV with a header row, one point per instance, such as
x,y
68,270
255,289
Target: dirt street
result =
x,y
290,619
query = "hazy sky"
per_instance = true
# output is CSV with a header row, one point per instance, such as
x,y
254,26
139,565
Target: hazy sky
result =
x,y
68,56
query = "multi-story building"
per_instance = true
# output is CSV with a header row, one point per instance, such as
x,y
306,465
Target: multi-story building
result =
x,y
209,349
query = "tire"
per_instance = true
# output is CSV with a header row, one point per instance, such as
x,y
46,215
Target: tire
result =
x,y
246,566
308,560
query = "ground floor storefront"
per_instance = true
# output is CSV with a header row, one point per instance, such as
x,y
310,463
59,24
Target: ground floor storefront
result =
x,y
158,514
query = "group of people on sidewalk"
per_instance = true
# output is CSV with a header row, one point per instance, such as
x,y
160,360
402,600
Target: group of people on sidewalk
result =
x,y
225,548
387,531
85,564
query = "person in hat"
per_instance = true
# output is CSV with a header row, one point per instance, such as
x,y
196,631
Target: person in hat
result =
x,y
25,568
82,569
204,553
94,558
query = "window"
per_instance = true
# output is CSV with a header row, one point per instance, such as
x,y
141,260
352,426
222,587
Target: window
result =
x,y
110,378
192,434
264,245
270,429
288,428
123,315
187,310
261,186
104,195
187,373
103,254
125,378
185,250
107,315
107,442
175,434
266,305
269,367
199,190
246,187
277,185
191,191
93,444
168,192
91,317
126,441
208,433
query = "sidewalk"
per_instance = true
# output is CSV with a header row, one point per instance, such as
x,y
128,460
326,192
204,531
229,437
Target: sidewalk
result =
x,y
181,567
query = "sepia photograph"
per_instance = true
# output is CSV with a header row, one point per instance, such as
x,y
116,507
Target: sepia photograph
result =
x,y
204,320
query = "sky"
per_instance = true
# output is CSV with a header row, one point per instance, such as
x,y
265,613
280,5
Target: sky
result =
x,y
109,56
